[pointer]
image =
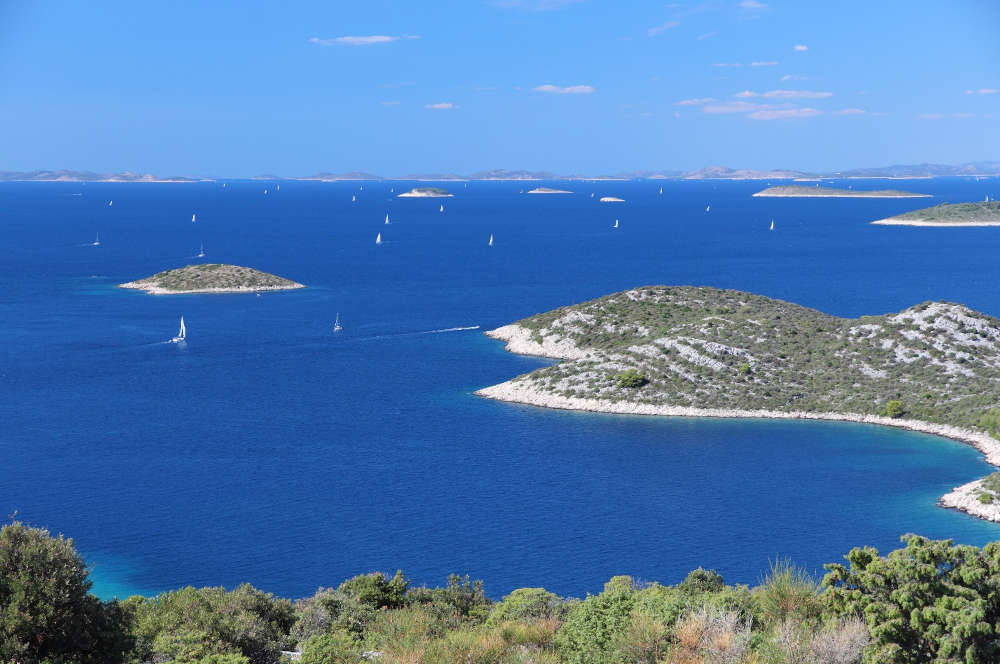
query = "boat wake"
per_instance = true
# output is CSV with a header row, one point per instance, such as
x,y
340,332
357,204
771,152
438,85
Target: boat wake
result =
x,y
442,330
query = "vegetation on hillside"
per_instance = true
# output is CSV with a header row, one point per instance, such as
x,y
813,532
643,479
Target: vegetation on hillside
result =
x,y
956,213
709,348
929,601
801,190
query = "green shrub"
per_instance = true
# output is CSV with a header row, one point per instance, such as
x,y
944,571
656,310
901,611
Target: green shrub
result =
x,y
745,369
893,408
338,647
788,593
990,422
985,498
630,378
527,604
587,636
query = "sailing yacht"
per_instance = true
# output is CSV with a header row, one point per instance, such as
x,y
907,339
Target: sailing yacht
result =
x,y
97,241
591,194
441,209
353,198
378,239
194,218
110,203
491,239
181,334
337,327
708,208
265,192
277,187
616,224
387,218
772,224
201,252
661,191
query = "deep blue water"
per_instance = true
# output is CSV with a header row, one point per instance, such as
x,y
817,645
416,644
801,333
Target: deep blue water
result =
x,y
271,451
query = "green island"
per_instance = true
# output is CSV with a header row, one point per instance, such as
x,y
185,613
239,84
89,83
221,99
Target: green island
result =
x,y
548,190
983,213
800,191
211,278
704,352
926,602
426,192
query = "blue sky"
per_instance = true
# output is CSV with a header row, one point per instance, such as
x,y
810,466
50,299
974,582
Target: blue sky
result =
x,y
585,86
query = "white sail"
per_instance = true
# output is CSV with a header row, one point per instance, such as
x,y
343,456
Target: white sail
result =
x,y
265,192
194,218
353,198
361,188
336,323
591,194
772,224
181,334
441,209
277,187
661,191
491,239
201,251
378,239
97,241
110,203
616,224
386,217
708,208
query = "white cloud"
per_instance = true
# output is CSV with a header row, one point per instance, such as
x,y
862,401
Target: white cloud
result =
x,y
568,90
982,91
365,40
746,94
794,77
850,111
944,116
389,103
727,64
440,106
801,47
697,101
731,107
763,63
783,113
752,4
663,27
707,35
797,94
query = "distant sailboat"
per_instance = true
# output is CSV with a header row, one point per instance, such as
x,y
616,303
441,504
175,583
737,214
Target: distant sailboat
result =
x,y
110,203
491,239
661,191
772,224
336,323
708,208
181,334
277,187
441,209
194,217
353,198
361,188
265,192
223,185
201,251
387,218
591,194
616,224
97,241
378,239
392,190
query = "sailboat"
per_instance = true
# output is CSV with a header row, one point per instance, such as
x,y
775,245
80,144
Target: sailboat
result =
x,y
97,241
337,327
277,187
110,203
265,192
491,239
387,218
353,198
591,194
708,208
201,252
361,188
661,191
194,218
181,334
378,239
772,224
441,209
616,224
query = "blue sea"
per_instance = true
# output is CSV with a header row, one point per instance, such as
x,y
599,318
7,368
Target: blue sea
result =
x,y
269,450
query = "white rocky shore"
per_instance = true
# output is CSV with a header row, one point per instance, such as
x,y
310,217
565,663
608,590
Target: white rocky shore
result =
x,y
935,224
157,290
519,390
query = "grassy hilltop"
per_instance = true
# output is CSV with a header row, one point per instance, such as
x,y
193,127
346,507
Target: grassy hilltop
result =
x,y
211,277
708,348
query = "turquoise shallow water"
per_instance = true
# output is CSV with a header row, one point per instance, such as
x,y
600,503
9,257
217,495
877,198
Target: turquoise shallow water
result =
x,y
269,450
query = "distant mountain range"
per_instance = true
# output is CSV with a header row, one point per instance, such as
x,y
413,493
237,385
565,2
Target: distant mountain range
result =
x,y
979,168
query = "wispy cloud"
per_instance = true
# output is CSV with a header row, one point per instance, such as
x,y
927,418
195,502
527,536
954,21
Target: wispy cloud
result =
x,y
663,27
567,90
389,103
763,63
746,94
794,77
783,113
982,91
535,5
697,101
752,4
707,35
850,111
727,64
440,106
797,94
945,116
730,107
364,40
801,47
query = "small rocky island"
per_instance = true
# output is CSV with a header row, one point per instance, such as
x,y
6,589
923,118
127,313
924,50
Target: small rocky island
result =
x,y
211,278
984,213
548,190
704,352
612,199
426,192
800,191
